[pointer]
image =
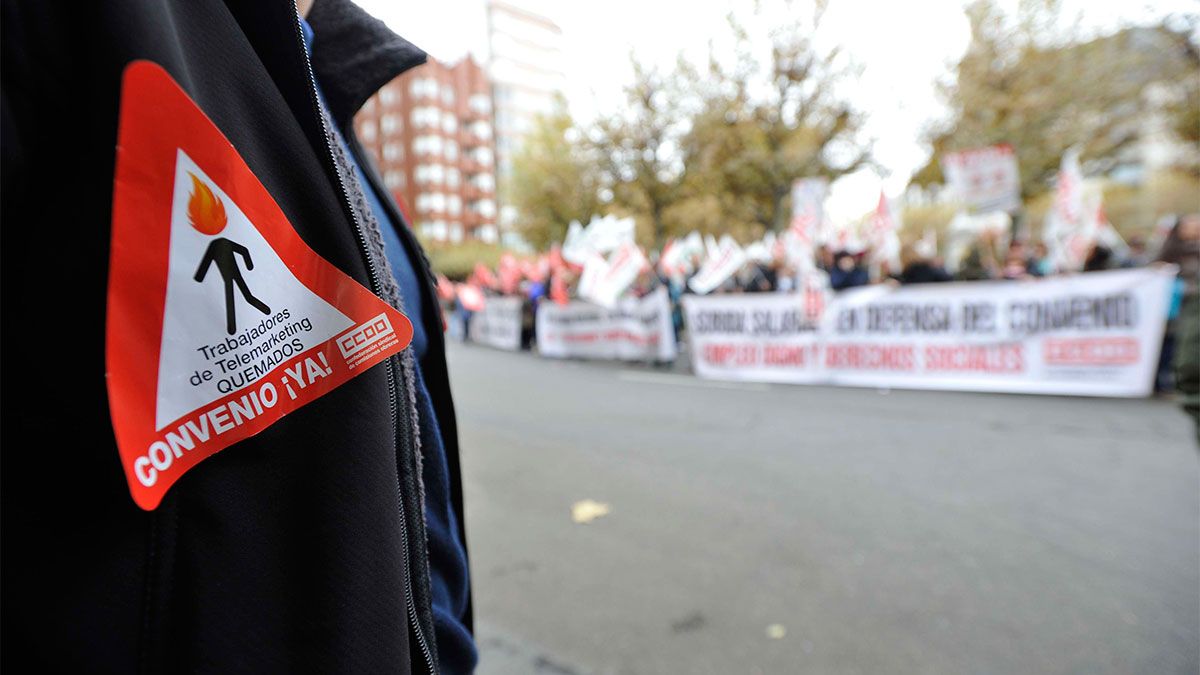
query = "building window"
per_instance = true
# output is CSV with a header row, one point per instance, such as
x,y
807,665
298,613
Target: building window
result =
x,y
431,201
481,129
456,232
387,96
480,103
451,150
393,179
483,155
366,132
454,205
453,178
448,95
430,173
392,152
389,124
449,123
487,233
485,208
484,181
424,86
434,229
429,144
426,116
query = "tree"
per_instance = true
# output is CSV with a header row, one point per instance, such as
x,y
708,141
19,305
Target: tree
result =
x,y
638,148
761,128
1184,107
1025,82
555,179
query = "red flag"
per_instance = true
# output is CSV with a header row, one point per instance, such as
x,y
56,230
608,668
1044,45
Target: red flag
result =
x,y
881,220
471,297
509,272
558,289
556,259
445,288
483,276
531,270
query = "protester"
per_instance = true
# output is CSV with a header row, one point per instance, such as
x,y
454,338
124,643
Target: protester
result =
x,y
919,267
848,271
795,266
1137,255
1182,248
761,278
1040,263
787,282
1016,262
980,264
332,540
1099,258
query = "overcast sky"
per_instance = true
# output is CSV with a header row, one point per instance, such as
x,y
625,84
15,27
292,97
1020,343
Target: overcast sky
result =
x,y
903,48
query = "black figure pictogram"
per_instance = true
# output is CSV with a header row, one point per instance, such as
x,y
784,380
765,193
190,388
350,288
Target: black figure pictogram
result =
x,y
221,252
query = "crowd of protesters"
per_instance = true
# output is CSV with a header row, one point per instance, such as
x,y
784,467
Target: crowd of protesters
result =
x,y
990,257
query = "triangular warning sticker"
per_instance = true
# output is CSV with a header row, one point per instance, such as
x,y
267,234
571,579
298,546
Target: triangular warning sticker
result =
x,y
221,320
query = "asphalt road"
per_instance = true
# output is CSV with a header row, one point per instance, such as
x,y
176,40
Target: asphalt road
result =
x,y
781,529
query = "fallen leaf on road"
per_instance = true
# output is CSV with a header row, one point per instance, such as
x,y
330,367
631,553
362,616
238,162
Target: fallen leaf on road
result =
x,y
587,510
776,631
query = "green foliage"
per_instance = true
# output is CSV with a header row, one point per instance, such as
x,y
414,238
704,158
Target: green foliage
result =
x,y
555,179
1134,209
1026,83
919,219
635,149
749,149
717,151
456,261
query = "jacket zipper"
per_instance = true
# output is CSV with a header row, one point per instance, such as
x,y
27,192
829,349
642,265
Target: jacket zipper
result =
x,y
377,288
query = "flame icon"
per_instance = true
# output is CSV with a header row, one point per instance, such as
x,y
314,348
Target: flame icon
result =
x,y
206,213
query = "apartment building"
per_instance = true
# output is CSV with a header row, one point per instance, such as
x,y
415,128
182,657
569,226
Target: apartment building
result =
x,y
430,132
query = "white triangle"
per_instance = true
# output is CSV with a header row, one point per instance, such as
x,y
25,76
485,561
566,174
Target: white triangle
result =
x,y
195,335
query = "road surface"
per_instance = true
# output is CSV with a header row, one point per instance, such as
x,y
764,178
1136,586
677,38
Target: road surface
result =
x,y
783,529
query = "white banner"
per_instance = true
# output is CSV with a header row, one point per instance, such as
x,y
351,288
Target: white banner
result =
x,y
636,329
762,337
1096,334
498,324
986,179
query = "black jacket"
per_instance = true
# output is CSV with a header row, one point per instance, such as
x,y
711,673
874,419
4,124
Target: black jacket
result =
x,y
299,549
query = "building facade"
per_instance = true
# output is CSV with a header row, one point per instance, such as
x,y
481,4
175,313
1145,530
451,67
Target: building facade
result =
x,y
430,132
525,69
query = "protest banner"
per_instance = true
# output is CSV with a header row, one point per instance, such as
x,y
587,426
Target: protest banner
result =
x,y
986,179
756,337
1097,334
636,329
498,324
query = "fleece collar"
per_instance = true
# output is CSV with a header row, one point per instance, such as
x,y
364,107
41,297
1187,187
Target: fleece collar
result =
x,y
354,54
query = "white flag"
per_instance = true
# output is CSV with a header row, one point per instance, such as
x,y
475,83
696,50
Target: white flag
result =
x,y
808,209
1066,231
717,268
620,271
574,248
